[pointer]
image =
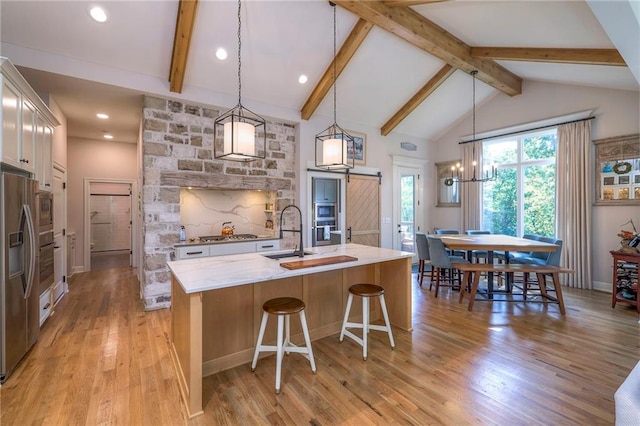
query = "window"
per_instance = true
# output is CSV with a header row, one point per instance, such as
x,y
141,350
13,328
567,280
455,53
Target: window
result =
x,y
522,198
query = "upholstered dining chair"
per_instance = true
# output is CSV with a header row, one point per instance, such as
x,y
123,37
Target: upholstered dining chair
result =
x,y
478,254
540,258
451,232
447,231
424,259
442,261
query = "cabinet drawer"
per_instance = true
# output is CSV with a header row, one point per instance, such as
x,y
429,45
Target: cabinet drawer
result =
x,y
232,248
192,252
268,245
45,306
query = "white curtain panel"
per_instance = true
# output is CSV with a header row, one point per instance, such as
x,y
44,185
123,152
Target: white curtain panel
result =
x,y
573,201
470,191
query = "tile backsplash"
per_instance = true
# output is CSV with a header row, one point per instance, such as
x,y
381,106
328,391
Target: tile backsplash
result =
x,y
203,211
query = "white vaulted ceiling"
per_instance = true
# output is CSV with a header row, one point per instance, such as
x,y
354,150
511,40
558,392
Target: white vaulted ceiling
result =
x,y
88,66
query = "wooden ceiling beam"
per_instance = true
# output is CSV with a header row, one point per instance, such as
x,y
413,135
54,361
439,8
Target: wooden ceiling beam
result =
x,y
440,77
402,3
419,31
344,55
566,56
181,42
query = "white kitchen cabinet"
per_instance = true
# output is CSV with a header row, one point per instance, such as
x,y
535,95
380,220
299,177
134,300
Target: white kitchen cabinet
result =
x,y
222,249
268,245
191,252
11,110
44,153
27,126
45,306
28,141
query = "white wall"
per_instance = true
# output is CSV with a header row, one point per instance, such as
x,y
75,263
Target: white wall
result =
x,y
97,160
617,113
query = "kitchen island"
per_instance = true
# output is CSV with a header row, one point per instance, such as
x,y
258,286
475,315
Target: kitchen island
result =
x,y
216,303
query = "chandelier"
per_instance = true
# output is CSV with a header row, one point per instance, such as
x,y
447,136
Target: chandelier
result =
x,y
457,171
239,126
333,144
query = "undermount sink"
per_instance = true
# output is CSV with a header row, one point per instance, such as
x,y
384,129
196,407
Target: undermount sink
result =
x,y
284,255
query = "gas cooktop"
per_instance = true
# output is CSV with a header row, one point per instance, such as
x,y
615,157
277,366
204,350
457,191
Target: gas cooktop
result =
x,y
235,237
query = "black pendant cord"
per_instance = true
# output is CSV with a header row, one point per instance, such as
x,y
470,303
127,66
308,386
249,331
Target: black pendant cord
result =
x,y
473,74
239,56
335,121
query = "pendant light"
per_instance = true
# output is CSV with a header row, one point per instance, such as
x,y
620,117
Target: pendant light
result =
x,y
333,144
244,132
457,170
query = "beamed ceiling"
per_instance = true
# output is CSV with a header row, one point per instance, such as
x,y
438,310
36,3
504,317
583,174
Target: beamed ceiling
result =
x,y
401,66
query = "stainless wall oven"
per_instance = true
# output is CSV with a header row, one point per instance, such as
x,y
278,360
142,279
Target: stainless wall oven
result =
x,y
45,266
325,220
46,240
45,211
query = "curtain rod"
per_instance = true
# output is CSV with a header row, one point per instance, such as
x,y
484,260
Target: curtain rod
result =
x,y
526,130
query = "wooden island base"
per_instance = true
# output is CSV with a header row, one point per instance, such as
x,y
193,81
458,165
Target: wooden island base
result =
x,y
217,329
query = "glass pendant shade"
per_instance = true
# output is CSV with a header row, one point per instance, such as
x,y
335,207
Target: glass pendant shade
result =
x,y
332,149
244,136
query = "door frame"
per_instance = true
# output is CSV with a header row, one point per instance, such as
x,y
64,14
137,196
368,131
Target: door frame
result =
x,y
57,168
341,201
417,166
87,218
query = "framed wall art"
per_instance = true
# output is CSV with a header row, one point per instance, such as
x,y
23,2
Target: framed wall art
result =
x,y
617,170
359,147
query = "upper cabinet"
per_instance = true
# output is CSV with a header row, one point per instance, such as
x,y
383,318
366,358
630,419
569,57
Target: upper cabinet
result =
x,y
27,127
325,190
618,170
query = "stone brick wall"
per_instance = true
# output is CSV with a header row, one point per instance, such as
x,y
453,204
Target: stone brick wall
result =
x,y
178,152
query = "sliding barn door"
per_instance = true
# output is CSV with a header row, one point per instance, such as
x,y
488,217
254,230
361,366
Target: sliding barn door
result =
x,y
363,210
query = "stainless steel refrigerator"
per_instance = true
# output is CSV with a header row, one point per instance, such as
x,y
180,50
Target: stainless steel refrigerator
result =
x,y
19,298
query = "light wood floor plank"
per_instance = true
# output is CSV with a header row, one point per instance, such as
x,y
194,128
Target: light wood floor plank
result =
x,y
101,359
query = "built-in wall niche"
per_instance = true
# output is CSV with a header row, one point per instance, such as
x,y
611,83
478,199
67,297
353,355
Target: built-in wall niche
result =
x,y
204,211
618,170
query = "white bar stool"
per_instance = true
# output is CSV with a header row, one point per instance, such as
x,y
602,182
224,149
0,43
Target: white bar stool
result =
x,y
366,291
283,307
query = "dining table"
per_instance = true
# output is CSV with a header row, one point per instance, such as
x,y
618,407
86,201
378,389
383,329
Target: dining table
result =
x,y
492,243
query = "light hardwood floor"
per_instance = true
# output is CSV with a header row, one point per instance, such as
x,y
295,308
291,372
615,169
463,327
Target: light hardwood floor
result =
x,y
101,359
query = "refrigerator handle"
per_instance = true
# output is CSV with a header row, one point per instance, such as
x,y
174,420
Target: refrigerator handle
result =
x,y
26,211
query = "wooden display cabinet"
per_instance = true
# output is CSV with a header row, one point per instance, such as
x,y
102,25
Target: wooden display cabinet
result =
x,y
625,278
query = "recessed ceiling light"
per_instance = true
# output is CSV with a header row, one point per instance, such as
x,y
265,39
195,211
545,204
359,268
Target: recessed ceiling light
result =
x,y
302,79
108,136
102,115
98,14
221,54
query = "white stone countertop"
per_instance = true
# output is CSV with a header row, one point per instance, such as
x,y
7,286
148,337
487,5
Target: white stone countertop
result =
x,y
211,273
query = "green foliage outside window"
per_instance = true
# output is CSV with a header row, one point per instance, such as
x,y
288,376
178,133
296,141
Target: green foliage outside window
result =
x,y
534,173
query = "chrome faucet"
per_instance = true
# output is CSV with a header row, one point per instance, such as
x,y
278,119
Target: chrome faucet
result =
x,y
300,250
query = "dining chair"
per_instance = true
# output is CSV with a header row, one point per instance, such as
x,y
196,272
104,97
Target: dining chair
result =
x,y
424,259
478,254
540,258
444,231
447,231
442,261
